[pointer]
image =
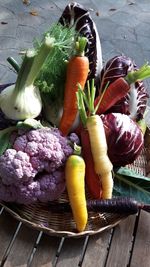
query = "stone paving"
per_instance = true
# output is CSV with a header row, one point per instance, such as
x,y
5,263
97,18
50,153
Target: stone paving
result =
x,y
123,26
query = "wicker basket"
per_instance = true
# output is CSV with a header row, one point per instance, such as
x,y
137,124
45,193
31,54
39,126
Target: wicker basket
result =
x,y
38,216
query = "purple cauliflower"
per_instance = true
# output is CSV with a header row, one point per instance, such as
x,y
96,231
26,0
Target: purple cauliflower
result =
x,y
51,185
33,169
47,148
15,167
47,187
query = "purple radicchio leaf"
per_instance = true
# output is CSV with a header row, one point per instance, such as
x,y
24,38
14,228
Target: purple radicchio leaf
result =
x,y
134,103
76,15
124,138
3,86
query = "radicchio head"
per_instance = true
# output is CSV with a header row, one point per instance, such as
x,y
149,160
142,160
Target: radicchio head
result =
x,y
124,138
76,15
134,103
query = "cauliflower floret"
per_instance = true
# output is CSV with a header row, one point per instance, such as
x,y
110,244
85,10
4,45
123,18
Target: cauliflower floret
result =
x,y
8,193
64,143
28,193
47,149
15,167
22,194
51,186
74,138
47,187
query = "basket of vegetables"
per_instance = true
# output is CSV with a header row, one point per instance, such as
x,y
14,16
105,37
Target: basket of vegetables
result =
x,y
74,141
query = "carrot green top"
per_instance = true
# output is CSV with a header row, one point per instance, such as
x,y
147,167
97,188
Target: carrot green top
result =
x,y
141,74
80,46
86,100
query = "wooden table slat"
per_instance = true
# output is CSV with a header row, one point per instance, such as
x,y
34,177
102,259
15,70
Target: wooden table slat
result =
x,y
71,252
22,247
119,252
46,251
8,226
97,249
141,249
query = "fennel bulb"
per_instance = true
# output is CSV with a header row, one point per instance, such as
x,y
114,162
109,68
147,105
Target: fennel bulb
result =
x,y
22,105
22,100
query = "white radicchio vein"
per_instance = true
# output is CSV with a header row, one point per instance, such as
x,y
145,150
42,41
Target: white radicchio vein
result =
x,y
124,127
133,104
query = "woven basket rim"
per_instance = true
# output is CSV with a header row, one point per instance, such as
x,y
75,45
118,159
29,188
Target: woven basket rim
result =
x,y
60,233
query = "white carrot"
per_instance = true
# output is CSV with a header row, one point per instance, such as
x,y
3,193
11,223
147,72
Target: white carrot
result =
x,y
102,164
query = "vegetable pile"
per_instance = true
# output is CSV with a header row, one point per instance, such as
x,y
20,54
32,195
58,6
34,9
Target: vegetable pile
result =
x,y
69,124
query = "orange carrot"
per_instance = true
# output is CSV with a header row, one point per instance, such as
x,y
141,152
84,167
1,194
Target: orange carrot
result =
x,y
77,73
113,93
119,88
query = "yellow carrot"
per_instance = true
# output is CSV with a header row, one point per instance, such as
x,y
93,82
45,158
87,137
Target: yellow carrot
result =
x,y
75,182
93,123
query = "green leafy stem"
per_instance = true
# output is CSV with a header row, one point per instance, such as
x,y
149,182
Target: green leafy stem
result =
x,y
129,183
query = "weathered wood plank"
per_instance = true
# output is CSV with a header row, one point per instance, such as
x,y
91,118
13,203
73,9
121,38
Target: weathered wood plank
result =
x,y
7,229
22,247
119,252
45,253
141,249
97,249
71,252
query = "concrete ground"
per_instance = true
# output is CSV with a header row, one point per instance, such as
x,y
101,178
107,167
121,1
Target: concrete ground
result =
x,y
123,26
